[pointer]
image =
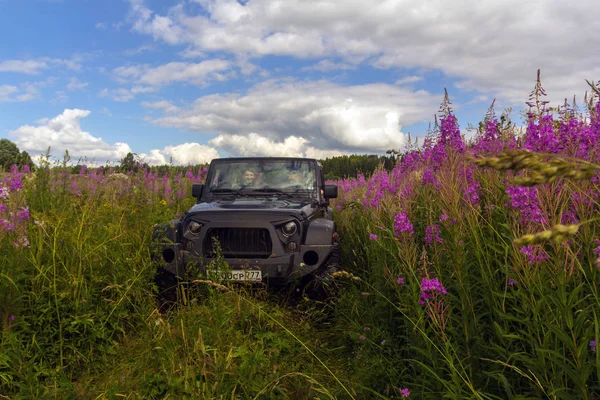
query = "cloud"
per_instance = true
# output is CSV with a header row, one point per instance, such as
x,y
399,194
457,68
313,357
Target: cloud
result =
x,y
495,48
36,66
328,116
255,145
74,84
164,105
27,91
7,92
29,67
64,132
188,153
195,73
408,79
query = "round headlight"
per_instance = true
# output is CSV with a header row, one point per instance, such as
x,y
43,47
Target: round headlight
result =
x,y
194,227
289,229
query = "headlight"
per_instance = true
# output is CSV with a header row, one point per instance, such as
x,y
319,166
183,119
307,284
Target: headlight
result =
x,y
194,227
289,229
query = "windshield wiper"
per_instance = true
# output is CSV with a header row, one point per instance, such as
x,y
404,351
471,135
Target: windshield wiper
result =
x,y
271,190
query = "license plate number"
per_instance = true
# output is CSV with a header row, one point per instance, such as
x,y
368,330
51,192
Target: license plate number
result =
x,y
235,275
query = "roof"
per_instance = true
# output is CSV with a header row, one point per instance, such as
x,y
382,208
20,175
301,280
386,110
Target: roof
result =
x,y
265,158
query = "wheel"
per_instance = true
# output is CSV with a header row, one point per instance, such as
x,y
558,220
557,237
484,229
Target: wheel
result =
x,y
321,285
167,289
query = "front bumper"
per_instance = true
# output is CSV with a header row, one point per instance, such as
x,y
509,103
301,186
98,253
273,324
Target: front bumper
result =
x,y
275,269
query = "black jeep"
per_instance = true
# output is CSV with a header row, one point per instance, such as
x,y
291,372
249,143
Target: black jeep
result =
x,y
269,219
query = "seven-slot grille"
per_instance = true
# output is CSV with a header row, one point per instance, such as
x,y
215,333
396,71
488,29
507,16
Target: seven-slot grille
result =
x,y
239,242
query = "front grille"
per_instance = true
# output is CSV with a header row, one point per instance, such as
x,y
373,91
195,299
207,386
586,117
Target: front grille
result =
x,y
238,242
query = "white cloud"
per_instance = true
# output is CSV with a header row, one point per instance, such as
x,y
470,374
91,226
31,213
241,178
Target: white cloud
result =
x,y
7,92
164,105
26,92
326,115
36,66
189,153
408,79
29,67
195,73
497,46
255,145
64,132
74,84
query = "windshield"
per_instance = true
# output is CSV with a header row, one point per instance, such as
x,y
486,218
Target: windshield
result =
x,y
249,176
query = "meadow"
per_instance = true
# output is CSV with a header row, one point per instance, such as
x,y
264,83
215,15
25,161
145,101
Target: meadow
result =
x,y
470,271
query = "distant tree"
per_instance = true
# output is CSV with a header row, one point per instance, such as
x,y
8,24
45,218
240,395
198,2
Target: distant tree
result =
x,y
10,154
128,163
25,159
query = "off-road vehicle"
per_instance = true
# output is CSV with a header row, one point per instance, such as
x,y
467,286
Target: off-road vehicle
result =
x,y
268,218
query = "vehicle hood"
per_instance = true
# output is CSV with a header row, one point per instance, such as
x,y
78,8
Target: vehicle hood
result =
x,y
262,205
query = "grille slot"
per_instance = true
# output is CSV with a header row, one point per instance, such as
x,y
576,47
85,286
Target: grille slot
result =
x,y
239,242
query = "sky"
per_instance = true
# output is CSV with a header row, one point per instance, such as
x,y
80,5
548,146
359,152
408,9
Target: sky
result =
x,y
186,81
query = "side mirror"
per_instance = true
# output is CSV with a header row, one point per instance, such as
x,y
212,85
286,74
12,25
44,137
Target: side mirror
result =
x,y
197,189
330,191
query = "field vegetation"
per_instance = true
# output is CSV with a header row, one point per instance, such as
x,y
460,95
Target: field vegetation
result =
x,y
470,270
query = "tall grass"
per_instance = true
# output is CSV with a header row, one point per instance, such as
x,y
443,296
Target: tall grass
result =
x,y
446,290
456,305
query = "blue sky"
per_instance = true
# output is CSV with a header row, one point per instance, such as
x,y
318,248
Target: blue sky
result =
x,y
191,80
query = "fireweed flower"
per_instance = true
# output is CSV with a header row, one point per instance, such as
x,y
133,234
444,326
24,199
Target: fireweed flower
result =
x,y
4,193
534,253
23,213
429,178
525,200
402,224
429,287
432,233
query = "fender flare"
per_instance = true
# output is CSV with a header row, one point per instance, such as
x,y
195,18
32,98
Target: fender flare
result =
x,y
320,231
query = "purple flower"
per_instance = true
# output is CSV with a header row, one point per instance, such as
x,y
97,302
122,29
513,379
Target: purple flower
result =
x,y
593,344
400,281
511,282
432,233
362,337
23,213
373,236
525,200
404,393
402,224
443,217
383,342
534,253
429,178
429,287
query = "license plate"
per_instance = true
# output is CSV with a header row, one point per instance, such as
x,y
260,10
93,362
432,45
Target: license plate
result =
x,y
235,275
